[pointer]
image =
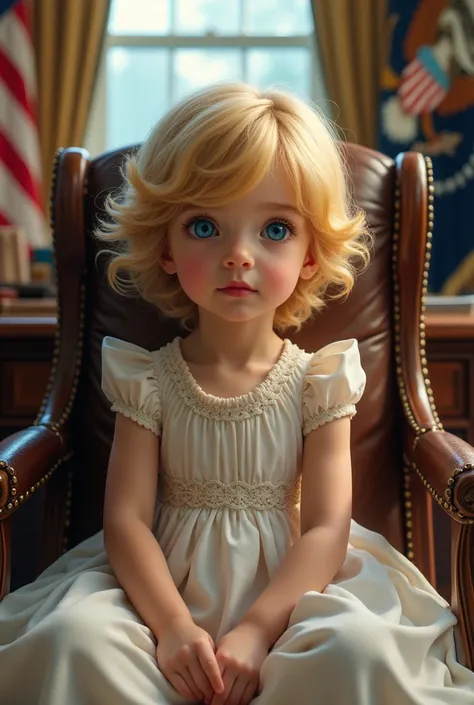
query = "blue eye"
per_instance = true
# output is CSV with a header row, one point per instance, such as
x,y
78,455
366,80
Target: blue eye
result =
x,y
277,231
202,228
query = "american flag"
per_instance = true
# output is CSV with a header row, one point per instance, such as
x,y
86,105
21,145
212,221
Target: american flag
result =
x,y
20,163
424,83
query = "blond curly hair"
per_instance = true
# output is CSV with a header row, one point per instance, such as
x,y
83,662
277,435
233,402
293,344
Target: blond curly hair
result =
x,y
212,148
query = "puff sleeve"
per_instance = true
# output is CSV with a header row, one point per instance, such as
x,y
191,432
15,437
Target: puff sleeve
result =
x,y
333,384
129,382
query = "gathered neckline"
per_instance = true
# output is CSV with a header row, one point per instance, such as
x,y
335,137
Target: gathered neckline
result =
x,y
230,408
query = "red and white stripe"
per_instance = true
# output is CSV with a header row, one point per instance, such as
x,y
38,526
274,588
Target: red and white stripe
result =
x,y
419,92
20,162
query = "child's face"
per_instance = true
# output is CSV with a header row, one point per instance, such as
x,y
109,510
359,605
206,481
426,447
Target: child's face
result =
x,y
260,240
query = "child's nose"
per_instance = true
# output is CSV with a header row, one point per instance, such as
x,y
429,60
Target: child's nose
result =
x,y
239,256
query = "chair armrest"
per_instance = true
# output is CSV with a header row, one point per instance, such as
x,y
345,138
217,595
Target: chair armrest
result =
x,y
27,459
445,465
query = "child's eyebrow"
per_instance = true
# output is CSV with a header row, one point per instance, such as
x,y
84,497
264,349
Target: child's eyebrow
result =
x,y
281,206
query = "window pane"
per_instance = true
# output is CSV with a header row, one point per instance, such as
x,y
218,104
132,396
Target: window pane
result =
x,y
140,17
137,93
286,68
278,17
195,68
200,17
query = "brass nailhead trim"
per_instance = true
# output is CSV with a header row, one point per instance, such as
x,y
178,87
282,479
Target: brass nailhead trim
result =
x,y
408,412
57,425
397,308
52,374
67,512
52,427
14,480
424,292
445,500
422,432
410,546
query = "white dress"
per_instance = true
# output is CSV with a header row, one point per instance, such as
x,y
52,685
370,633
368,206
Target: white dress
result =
x,y
226,514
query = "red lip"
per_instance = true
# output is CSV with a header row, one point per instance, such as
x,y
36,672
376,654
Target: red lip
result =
x,y
237,285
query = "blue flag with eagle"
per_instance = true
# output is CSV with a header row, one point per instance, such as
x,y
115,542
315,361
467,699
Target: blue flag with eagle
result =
x,y
427,105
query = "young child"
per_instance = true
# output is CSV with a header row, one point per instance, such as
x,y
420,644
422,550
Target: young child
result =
x,y
216,579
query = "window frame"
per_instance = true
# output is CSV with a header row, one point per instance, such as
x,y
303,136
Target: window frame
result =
x,y
96,140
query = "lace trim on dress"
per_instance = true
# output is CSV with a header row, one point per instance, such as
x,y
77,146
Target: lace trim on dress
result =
x,y
214,494
142,419
233,408
325,415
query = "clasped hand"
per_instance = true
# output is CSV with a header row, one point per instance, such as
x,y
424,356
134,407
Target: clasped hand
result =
x,y
228,675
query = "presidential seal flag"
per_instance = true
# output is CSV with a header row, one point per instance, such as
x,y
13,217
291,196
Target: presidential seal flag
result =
x,y
20,170
427,105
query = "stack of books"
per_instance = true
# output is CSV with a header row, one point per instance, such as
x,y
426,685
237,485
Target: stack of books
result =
x,y
28,307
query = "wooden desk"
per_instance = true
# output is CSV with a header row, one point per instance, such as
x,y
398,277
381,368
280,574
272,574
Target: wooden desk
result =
x,y
450,352
26,351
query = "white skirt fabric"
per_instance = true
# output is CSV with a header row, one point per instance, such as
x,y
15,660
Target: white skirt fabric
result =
x,y
226,517
379,635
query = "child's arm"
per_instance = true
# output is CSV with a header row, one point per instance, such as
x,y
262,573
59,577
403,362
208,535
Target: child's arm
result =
x,y
141,568
326,503
133,551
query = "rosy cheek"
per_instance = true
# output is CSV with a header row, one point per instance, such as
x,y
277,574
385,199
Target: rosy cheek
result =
x,y
281,278
193,274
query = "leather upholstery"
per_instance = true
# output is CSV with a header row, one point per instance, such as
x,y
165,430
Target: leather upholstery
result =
x,y
366,315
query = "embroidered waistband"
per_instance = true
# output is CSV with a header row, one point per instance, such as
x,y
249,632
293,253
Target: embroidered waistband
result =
x,y
234,495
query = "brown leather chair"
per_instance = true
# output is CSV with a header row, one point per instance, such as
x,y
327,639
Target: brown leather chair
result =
x,y
402,458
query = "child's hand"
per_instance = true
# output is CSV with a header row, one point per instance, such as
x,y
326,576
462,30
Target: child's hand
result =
x,y
185,656
240,655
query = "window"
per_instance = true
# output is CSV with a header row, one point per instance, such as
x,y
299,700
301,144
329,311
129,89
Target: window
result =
x,y
158,51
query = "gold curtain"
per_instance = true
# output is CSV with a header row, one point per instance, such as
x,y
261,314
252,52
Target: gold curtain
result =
x,y
68,41
353,40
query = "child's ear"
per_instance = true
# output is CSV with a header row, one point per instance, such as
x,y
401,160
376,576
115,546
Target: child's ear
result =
x,y
167,261
310,266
